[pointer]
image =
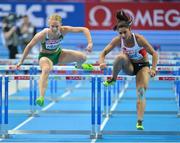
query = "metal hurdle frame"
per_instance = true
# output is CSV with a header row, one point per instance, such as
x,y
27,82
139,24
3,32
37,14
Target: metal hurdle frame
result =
x,y
6,133
100,133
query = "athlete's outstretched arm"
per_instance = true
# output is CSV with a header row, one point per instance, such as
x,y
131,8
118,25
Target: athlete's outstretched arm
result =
x,y
85,30
38,37
115,42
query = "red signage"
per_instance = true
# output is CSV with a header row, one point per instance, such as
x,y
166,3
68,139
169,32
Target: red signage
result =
x,y
167,78
21,77
74,78
147,16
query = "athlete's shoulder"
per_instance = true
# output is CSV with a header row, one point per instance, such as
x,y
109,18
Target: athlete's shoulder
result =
x,y
44,30
64,29
41,34
116,41
117,38
139,37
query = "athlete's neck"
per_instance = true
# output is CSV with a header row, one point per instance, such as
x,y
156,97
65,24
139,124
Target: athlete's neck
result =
x,y
129,42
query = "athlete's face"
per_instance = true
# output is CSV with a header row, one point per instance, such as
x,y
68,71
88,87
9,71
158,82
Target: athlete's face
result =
x,y
124,32
54,25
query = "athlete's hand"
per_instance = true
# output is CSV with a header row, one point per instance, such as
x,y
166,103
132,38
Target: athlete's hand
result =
x,y
152,72
102,65
89,47
18,65
14,28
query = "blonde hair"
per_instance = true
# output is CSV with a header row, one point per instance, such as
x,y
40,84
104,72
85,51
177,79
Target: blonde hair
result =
x,y
56,17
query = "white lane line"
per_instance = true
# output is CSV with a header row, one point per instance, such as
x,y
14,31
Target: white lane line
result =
x,y
52,103
23,123
114,106
112,109
44,109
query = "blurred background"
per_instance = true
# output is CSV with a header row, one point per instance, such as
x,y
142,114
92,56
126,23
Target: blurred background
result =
x,y
157,20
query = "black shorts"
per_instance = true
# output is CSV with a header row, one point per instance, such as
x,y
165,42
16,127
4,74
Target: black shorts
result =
x,y
139,66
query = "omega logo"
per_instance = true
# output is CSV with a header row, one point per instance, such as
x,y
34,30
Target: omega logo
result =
x,y
107,19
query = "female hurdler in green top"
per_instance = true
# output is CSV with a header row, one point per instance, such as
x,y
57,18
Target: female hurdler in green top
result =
x,y
51,52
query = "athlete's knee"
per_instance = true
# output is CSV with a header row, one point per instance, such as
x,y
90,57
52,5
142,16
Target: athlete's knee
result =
x,y
82,58
45,62
46,70
141,93
121,57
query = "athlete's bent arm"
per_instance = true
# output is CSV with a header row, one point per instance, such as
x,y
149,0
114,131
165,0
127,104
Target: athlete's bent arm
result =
x,y
85,30
38,37
115,42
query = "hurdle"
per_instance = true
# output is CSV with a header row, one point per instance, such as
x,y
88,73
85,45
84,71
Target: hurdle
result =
x,y
91,78
100,131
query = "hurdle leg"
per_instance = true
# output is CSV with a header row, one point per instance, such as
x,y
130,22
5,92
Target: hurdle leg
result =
x,y
99,133
34,111
6,114
114,93
117,89
109,102
31,95
17,86
178,95
52,88
105,101
1,134
93,114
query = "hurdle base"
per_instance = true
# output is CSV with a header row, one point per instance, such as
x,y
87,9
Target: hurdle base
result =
x,y
5,136
92,136
104,114
56,100
178,114
107,115
99,136
33,114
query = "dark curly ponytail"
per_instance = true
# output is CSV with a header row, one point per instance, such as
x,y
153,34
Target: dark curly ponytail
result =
x,y
123,20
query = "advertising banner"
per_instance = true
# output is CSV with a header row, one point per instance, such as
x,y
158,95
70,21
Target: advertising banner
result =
x,y
147,16
71,13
